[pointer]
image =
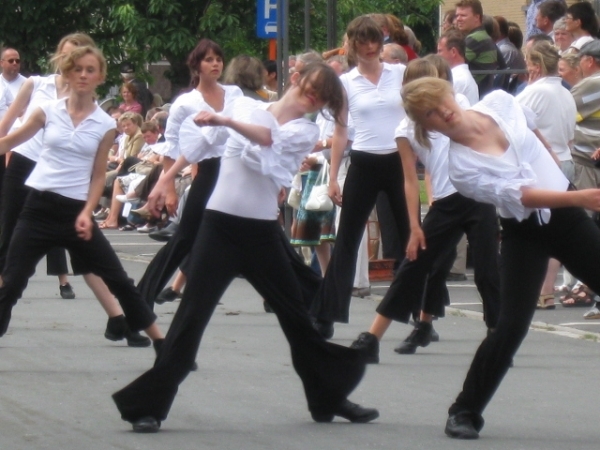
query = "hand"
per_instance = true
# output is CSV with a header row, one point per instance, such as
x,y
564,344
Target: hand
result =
x,y
163,195
596,154
281,196
308,162
84,226
207,118
416,242
589,199
335,192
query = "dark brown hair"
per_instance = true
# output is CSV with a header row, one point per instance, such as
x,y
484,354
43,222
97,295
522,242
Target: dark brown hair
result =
x,y
327,86
198,54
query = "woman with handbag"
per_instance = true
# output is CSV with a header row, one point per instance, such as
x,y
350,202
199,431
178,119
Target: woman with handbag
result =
x,y
240,233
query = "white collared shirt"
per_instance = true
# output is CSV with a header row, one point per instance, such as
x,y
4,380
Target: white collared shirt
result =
x,y
498,179
44,90
188,104
435,159
464,83
376,109
67,159
555,111
251,176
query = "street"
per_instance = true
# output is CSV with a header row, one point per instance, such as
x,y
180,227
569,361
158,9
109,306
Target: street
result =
x,y
57,373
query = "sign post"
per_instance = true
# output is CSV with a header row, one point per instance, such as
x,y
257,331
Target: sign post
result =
x,y
266,19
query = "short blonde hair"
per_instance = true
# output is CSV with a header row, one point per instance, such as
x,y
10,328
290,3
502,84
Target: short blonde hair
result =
x,y
76,39
133,116
68,62
421,95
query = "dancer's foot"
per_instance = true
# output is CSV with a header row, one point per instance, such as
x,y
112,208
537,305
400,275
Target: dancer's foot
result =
x,y
368,344
350,411
117,329
146,424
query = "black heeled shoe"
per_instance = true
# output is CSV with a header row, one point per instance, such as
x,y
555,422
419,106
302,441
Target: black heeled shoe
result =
x,y
146,424
349,411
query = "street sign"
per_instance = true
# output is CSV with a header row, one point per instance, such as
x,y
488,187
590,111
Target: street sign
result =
x,y
266,19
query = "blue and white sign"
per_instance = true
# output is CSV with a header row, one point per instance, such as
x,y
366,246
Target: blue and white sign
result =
x,y
266,19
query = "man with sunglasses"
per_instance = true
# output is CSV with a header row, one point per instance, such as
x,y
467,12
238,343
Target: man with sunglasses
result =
x,y
10,79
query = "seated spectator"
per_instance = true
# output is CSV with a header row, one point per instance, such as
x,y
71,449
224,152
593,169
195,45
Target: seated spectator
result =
x,y
582,23
130,103
569,70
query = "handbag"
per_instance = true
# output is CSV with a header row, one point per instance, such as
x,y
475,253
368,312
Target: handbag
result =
x,y
295,194
318,199
142,168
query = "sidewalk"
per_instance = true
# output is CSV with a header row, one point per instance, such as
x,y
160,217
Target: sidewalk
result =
x,y
57,373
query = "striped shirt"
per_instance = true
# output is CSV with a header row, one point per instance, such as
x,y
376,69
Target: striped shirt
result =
x,y
481,54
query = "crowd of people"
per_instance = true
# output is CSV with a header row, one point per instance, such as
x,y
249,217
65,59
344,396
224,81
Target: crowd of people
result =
x,y
510,158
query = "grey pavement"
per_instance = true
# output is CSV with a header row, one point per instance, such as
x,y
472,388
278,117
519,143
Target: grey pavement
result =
x,y
57,373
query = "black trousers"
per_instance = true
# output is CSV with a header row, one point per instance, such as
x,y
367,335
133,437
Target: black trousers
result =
x,y
48,220
14,194
443,227
167,260
226,246
391,246
572,238
368,175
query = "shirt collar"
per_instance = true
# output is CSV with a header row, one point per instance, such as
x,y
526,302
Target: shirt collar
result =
x,y
354,73
94,116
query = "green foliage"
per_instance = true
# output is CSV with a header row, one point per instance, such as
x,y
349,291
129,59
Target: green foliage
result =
x,y
150,30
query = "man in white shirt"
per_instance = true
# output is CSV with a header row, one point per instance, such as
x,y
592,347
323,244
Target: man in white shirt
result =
x,y
451,47
10,79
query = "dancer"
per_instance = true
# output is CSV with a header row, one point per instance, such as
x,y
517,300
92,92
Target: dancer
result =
x,y
494,158
36,91
239,234
373,92
420,281
58,210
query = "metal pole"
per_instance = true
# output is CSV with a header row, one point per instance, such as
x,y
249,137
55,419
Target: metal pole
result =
x,y
331,24
306,25
280,63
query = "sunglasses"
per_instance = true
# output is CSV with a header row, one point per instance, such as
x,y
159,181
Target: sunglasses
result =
x,y
13,61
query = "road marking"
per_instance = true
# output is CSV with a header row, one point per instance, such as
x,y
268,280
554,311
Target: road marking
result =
x,y
590,322
132,244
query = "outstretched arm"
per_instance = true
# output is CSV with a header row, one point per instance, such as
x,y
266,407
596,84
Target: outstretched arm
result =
x,y
543,198
35,123
255,133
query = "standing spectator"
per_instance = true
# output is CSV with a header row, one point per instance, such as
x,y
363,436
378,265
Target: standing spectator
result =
x,y
512,55
582,23
562,38
548,13
451,47
398,35
10,80
394,54
448,20
531,17
481,52
144,95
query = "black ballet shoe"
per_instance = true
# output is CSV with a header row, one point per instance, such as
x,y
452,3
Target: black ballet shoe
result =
x,y
349,411
117,329
464,425
146,424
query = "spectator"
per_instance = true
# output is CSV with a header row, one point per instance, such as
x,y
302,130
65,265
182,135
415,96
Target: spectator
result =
x,y
451,47
562,38
448,20
531,17
512,55
10,79
569,70
548,13
271,75
399,36
247,73
144,95
130,103
394,54
481,52
582,23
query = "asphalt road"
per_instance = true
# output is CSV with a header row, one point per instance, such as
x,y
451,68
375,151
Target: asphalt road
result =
x,y
57,373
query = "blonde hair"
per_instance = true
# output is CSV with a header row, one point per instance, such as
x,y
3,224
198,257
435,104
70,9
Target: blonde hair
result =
x,y
419,68
76,39
572,59
544,55
134,117
421,95
68,62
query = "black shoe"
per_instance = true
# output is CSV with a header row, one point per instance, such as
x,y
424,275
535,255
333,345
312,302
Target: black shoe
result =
x,y
435,337
164,234
463,426
66,291
324,327
158,345
350,411
368,344
419,337
167,295
146,424
456,277
117,330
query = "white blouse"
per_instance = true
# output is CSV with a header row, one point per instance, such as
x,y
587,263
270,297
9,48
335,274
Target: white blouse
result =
x,y
498,179
435,159
464,83
67,158
44,90
186,105
555,111
375,109
251,175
